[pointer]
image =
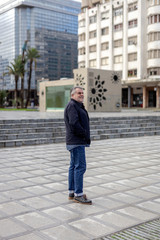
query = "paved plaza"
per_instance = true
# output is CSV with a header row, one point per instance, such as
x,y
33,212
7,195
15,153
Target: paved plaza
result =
x,y
122,179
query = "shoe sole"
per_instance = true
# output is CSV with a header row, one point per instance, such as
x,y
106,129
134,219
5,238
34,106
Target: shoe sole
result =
x,y
90,203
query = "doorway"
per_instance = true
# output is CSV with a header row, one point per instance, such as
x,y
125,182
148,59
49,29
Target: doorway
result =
x,y
152,98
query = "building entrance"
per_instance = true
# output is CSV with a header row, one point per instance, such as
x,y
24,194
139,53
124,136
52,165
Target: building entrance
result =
x,y
152,98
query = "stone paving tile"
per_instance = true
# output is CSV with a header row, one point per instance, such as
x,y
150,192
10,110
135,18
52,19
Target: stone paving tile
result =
x,y
38,190
152,206
35,220
16,194
123,197
153,189
64,233
107,203
37,203
92,227
58,198
9,228
142,194
61,213
143,215
83,210
31,236
13,208
113,218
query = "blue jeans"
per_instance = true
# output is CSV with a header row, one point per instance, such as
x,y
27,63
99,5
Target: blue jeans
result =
x,y
76,170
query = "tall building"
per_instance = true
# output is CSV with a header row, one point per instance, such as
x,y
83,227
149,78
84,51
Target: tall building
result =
x,y
50,26
124,35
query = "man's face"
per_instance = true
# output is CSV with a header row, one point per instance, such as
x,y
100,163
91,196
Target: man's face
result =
x,y
79,95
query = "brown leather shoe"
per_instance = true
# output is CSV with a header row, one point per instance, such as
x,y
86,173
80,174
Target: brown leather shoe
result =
x,y
83,200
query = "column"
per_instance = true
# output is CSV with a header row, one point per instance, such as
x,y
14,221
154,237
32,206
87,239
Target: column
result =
x,y
111,36
158,97
129,96
98,37
125,40
87,38
144,97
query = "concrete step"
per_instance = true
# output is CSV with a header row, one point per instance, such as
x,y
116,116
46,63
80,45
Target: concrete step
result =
x,y
29,142
46,131
129,134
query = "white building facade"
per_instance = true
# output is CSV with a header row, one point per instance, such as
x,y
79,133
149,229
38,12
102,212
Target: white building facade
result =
x,y
124,36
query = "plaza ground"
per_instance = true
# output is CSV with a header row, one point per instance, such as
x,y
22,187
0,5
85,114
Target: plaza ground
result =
x,y
122,179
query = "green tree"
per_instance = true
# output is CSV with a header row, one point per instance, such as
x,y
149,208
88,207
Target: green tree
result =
x,y
16,70
32,55
3,97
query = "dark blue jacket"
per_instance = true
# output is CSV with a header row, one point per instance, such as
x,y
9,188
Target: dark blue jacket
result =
x,y
77,124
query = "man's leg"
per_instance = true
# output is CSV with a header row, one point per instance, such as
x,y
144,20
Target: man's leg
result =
x,y
80,168
71,173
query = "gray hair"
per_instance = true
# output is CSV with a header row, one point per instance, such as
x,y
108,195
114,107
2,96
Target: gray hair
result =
x,y
73,90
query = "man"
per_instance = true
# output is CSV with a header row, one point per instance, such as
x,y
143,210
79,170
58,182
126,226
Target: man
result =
x,y
77,138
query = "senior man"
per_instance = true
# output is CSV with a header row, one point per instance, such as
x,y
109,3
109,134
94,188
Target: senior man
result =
x,y
77,138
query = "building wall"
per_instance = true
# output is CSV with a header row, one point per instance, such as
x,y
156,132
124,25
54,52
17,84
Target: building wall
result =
x,y
102,91
52,85
121,36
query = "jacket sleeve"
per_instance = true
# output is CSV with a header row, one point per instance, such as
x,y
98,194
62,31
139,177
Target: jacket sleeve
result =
x,y
74,121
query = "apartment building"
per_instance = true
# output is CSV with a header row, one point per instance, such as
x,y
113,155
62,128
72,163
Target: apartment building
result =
x,y
123,35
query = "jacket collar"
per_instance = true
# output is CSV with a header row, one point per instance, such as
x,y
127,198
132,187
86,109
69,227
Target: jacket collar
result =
x,y
78,103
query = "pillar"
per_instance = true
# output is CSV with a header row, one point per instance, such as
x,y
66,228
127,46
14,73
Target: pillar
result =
x,y
144,97
158,97
129,96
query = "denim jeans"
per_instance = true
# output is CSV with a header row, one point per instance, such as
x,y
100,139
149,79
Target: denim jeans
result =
x,y
76,170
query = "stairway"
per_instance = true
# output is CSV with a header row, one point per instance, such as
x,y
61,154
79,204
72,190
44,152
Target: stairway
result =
x,y
46,131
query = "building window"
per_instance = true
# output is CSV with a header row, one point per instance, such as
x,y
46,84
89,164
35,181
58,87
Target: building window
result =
x,y
81,37
118,12
154,71
118,59
82,64
154,19
132,40
105,15
104,46
93,34
154,2
104,61
153,36
81,51
154,54
132,57
118,43
81,23
118,27
92,48
132,24
132,73
93,19
132,7
92,63
104,31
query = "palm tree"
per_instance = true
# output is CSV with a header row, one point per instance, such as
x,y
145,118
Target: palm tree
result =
x,y
16,69
24,60
32,55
